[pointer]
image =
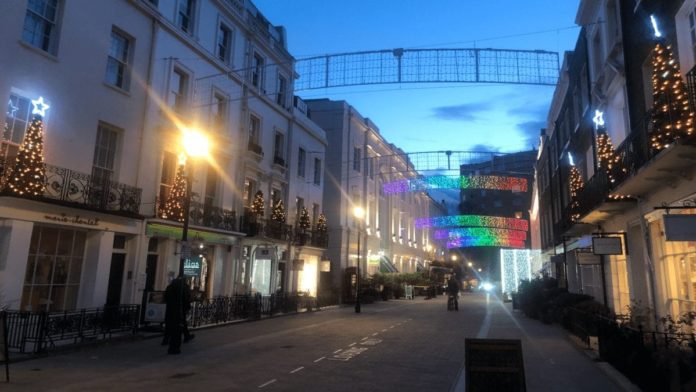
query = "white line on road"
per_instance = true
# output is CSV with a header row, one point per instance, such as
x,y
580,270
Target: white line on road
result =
x,y
384,330
391,327
317,360
297,370
374,334
338,351
365,338
267,383
485,325
352,344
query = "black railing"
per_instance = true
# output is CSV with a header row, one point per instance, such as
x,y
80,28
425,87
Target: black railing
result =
x,y
213,217
248,306
74,188
34,332
279,160
253,226
308,237
255,148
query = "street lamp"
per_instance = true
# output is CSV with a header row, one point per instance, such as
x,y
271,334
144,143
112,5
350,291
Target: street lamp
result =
x,y
470,264
195,144
454,257
358,213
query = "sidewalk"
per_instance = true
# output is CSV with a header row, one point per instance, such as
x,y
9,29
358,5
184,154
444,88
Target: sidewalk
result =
x,y
552,360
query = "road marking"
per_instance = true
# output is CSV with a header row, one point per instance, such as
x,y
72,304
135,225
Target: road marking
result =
x,y
317,360
485,325
348,354
391,327
375,334
297,370
267,383
337,351
352,344
371,342
384,330
365,338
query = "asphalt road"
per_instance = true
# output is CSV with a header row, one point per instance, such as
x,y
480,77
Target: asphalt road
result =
x,y
404,345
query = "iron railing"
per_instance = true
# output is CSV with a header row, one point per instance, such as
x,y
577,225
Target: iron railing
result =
x,y
34,332
303,237
83,190
253,226
213,217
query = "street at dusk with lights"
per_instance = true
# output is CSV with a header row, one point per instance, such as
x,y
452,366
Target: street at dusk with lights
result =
x,y
248,195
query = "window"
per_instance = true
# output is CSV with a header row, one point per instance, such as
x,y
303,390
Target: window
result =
x,y
301,162
40,25
299,204
278,149
317,171
282,86
104,153
219,112
224,43
371,167
356,159
177,90
257,71
211,186
692,31
169,165
254,131
117,68
315,214
16,122
54,266
249,189
184,16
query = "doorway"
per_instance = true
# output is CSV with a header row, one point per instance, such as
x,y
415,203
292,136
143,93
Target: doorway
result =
x,y
113,294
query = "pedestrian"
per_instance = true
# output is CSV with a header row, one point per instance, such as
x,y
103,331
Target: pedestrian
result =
x,y
453,291
178,299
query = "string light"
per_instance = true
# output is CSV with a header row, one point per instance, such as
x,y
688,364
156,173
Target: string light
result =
x,y
501,183
278,214
515,266
304,222
473,220
321,224
469,242
27,175
479,232
575,185
173,208
257,207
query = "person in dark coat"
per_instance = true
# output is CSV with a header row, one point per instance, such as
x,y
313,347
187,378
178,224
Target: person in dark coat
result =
x,y
178,298
453,290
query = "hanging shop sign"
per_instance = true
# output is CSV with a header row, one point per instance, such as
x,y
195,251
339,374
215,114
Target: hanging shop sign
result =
x,y
325,266
680,227
192,267
607,245
585,258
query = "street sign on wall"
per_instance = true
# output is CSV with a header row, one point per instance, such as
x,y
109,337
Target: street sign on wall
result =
x,y
680,227
607,246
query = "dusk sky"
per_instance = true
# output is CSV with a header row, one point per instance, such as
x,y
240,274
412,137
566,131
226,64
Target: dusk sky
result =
x,y
430,117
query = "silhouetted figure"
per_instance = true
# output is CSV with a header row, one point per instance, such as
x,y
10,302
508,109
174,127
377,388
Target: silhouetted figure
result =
x,y
453,291
178,298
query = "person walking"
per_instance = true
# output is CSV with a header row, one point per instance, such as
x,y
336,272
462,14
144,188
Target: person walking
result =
x,y
453,292
178,299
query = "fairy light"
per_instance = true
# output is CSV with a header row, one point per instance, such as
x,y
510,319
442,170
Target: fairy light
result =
x,y
575,185
515,266
501,183
469,242
473,220
173,208
483,232
27,174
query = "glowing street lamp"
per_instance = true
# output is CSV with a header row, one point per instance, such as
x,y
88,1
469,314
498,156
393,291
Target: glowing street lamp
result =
x,y
358,213
470,264
454,257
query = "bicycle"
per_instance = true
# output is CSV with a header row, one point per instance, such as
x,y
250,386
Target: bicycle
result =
x,y
451,304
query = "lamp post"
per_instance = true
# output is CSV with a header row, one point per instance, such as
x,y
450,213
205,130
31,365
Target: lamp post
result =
x,y
194,144
358,213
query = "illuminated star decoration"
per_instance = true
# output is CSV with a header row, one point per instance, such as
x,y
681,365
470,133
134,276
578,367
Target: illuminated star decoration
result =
x,y
11,109
598,119
40,107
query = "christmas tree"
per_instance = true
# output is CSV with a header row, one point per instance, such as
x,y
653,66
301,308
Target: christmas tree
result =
x,y
321,223
575,185
257,208
304,222
174,206
672,117
27,174
278,214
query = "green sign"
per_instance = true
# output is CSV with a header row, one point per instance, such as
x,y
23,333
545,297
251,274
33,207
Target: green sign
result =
x,y
192,267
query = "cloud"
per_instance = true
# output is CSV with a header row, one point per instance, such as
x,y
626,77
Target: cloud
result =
x,y
464,112
484,148
530,132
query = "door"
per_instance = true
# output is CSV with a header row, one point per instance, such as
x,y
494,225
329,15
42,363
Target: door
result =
x,y
113,294
150,272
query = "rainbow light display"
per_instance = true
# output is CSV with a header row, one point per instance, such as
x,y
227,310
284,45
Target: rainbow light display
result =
x,y
500,183
469,242
455,233
473,220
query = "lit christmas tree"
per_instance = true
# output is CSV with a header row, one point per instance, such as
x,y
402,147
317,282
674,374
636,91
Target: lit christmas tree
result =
x,y
173,208
607,157
321,223
304,222
278,214
672,117
257,208
575,185
27,174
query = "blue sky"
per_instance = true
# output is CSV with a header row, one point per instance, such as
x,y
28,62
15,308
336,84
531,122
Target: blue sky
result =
x,y
417,117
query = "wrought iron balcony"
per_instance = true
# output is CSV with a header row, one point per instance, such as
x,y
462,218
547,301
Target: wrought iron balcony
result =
x,y
204,215
82,190
308,237
268,228
255,148
279,161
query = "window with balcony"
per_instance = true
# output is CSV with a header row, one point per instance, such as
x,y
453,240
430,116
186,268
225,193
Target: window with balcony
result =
x,y
117,62
315,214
219,112
279,149
281,96
17,120
185,15
254,134
249,190
317,171
356,159
178,86
224,42
169,165
211,190
257,68
301,162
41,24
105,153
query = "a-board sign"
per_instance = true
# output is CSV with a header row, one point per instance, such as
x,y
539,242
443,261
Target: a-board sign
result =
x,y
607,246
680,227
156,307
494,365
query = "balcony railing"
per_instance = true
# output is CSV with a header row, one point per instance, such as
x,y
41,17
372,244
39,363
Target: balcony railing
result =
x,y
255,148
83,190
258,227
204,215
279,161
308,237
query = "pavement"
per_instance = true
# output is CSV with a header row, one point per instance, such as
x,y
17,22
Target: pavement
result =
x,y
398,345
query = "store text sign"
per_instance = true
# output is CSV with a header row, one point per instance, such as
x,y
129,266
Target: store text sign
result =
x,y
680,227
607,246
74,219
192,267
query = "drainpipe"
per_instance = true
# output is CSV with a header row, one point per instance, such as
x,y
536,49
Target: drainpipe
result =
x,y
647,259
